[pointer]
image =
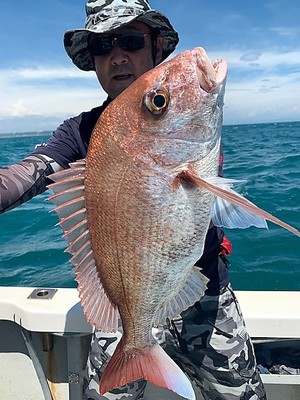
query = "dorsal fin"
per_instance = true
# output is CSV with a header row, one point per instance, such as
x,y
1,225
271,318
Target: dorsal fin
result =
x,y
68,188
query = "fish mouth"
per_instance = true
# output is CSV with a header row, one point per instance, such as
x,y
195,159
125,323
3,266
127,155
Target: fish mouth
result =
x,y
211,75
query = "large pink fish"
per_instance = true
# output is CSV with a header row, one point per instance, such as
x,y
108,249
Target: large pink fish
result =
x,y
136,212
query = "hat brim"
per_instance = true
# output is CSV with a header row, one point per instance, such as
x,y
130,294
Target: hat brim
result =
x,y
76,41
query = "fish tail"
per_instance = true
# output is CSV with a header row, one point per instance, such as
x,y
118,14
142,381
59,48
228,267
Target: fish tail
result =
x,y
151,364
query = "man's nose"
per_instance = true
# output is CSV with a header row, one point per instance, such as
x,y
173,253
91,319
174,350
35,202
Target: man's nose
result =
x,y
118,55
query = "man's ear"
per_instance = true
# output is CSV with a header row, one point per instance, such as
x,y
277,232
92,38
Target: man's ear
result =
x,y
159,49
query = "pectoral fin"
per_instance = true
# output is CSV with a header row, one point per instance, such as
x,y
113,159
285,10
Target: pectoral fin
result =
x,y
231,210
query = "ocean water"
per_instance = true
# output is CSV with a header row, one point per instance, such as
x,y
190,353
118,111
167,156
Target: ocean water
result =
x,y
265,156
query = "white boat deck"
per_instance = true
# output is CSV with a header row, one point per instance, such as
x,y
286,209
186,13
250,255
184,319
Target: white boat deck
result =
x,y
37,313
44,342
268,314
271,314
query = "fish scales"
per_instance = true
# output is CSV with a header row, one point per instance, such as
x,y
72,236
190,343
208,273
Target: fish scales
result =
x,y
140,223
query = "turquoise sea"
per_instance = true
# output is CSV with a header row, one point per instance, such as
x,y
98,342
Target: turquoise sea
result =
x,y
266,156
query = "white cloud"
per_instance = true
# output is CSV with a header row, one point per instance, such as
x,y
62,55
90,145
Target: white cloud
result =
x,y
288,31
261,87
251,56
263,100
42,73
43,91
265,60
18,108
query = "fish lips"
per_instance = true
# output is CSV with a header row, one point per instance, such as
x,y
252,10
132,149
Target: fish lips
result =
x,y
211,75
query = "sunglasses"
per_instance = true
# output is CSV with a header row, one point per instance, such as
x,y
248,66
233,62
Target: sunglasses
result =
x,y
131,41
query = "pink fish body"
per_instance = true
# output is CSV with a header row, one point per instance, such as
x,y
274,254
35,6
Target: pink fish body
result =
x,y
136,212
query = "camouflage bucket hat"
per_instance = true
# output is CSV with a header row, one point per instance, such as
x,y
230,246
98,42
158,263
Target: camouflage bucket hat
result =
x,y
106,15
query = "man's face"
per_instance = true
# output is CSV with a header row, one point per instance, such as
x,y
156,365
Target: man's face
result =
x,y
118,69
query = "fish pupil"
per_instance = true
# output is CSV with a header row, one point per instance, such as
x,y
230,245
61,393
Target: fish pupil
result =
x,y
159,101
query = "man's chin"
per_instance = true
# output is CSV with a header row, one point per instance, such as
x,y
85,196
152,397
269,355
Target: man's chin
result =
x,y
120,85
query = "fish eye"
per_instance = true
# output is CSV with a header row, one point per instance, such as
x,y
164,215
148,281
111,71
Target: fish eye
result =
x,y
157,101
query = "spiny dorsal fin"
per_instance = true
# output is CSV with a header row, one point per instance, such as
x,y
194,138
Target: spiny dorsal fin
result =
x,y
68,188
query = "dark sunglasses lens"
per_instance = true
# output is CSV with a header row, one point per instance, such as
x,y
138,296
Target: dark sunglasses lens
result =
x,y
100,46
131,41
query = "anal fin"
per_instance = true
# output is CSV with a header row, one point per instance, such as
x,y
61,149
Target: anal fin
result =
x,y
192,291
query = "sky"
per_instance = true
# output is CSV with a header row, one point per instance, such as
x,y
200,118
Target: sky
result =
x,y
260,40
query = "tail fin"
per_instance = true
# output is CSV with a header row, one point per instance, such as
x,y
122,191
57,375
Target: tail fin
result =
x,y
151,364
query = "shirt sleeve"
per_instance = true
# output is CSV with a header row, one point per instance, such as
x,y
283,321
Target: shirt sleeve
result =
x,y
65,144
22,181
69,142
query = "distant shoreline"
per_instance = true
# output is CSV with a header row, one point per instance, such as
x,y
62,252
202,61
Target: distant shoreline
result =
x,y
48,133
24,134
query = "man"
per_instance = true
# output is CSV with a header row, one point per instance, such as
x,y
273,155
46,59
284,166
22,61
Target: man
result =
x,y
122,40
